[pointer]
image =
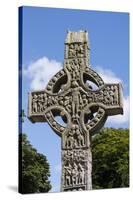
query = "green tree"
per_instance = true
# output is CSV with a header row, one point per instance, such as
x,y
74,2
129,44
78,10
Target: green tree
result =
x,y
34,169
110,152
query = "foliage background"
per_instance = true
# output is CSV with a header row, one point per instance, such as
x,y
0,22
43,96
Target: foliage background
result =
x,y
110,152
35,169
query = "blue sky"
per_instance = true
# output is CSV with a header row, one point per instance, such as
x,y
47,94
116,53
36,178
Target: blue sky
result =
x,y
44,32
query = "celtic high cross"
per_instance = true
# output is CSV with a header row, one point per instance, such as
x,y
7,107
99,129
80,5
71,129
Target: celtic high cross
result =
x,y
80,97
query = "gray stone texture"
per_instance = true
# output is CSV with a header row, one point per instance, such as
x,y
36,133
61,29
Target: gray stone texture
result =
x,y
82,99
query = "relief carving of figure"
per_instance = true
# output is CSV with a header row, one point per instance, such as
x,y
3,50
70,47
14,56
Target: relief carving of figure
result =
x,y
72,50
40,103
80,137
74,138
74,69
82,155
75,99
80,50
70,140
67,175
67,155
52,100
107,96
74,174
34,103
115,95
76,50
81,174
84,100
111,93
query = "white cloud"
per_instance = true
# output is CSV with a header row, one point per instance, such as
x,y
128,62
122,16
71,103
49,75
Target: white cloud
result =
x,y
107,75
40,72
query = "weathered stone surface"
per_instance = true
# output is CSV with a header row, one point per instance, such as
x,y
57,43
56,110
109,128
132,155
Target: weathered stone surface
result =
x,y
80,96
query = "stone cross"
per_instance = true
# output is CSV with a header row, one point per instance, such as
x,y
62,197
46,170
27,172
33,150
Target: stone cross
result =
x,y
80,97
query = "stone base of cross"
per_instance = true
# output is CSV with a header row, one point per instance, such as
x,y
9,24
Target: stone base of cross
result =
x,y
80,97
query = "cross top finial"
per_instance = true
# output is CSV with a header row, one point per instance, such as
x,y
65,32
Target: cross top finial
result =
x,y
77,37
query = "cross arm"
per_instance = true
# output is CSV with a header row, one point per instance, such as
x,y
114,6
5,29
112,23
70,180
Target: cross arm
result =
x,y
34,106
42,102
109,97
39,102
